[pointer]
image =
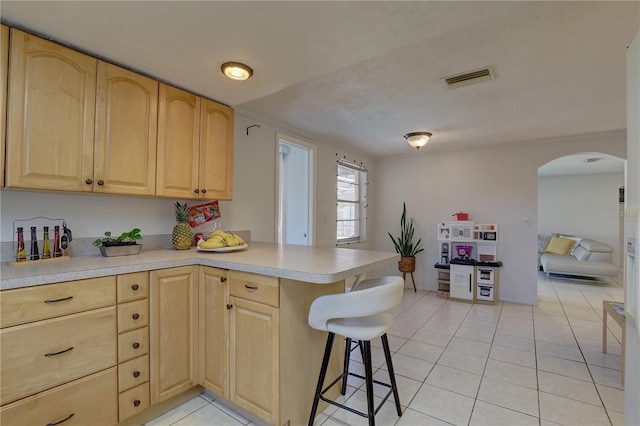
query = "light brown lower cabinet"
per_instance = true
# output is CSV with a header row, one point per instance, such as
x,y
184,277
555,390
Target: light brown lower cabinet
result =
x,y
92,400
173,327
273,356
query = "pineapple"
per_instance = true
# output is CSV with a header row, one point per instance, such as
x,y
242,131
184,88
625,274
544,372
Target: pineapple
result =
x,y
181,237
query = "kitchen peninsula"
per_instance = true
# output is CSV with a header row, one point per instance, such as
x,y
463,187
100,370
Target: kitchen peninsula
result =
x,y
133,336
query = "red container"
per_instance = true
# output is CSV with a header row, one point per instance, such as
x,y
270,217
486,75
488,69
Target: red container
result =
x,y
461,216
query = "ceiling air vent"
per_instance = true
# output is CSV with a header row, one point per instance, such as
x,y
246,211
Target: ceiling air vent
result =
x,y
471,77
591,159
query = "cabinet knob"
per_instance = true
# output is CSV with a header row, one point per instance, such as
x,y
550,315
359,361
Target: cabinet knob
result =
x,y
136,403
100,182
229,306
135,287
136,374
88,181
223,279
196,190
135,316
204,191
136,345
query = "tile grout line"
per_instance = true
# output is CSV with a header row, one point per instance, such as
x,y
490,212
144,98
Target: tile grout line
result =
x,y
583,356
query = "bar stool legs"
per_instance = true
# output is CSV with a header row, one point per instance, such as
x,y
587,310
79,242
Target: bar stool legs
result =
x,y
392,374
365,348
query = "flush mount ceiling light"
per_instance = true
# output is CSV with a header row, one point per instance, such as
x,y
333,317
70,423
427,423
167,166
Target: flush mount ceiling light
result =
x,y
417,139
236,70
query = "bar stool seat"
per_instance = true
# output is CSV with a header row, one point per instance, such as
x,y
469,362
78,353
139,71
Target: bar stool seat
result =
x,y
360,315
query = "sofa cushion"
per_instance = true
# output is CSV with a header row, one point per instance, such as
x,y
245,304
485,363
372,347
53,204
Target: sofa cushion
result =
x,y
561,246
580,253
569,265
596,246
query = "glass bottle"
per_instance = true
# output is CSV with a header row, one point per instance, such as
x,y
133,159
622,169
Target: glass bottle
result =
x,y
21,253
46,250
35,253
57,251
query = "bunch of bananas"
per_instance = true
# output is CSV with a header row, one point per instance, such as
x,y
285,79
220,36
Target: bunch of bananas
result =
x,y
219,239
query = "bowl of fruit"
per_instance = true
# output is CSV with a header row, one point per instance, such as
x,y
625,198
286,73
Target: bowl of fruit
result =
x,y
220,241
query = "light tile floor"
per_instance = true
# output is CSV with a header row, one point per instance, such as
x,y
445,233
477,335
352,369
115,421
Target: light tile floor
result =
x,y
473,364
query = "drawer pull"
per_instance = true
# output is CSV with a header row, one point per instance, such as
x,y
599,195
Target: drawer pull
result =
x,y
136,403
62,421
58,353
229,306
136,345
251,287
136,374
58,300
135,287
135,316
223,279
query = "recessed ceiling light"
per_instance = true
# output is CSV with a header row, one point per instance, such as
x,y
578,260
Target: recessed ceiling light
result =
x,y
236,70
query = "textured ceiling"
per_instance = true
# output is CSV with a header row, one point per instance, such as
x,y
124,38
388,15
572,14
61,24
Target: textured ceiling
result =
x,y
362,74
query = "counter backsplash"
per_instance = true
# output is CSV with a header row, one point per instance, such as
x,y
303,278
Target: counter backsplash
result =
x,y
85,247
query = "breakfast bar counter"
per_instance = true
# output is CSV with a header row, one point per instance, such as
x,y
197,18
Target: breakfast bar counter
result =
x,y
303,263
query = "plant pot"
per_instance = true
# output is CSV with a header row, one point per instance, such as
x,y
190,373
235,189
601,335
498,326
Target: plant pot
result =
x,y
407,264
121,250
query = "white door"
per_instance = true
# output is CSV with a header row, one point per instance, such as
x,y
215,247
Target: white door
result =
x,y
295,192
461,282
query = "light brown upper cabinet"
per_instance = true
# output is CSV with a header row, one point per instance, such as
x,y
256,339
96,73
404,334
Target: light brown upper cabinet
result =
x,y
195,146
51,110
216,150
126,126
4,63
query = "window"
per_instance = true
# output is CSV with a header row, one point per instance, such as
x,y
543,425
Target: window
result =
x,y
352,193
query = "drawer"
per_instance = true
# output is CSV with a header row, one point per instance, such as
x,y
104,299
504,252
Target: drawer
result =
x,y
91,400
258,288
44,354
133,401
133,344
30,304
133,373
133,286
132,315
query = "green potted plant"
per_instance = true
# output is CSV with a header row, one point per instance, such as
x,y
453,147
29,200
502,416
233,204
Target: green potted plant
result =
x,y
123,245
405,247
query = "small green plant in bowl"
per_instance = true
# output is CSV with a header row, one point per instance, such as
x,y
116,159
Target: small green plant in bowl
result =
x,y
125,239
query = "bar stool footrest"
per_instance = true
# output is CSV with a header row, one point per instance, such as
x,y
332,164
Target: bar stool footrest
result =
x,y
354,411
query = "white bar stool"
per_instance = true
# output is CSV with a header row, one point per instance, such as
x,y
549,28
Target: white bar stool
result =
x,y
358,315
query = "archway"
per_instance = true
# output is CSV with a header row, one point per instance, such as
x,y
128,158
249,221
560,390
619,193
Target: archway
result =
x,y
579,195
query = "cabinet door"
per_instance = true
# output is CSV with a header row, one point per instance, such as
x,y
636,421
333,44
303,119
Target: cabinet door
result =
x,y
461,282
4,63
254,358
173,329
216,151
178,143
126,128
51,109
214,326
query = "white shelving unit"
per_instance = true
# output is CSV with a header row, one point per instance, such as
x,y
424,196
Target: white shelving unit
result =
x,y
467,282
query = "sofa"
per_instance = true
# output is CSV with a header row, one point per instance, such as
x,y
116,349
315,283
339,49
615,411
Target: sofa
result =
x,y
581,257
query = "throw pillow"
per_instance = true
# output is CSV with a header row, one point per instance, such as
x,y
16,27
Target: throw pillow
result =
x,y
561,246
576,244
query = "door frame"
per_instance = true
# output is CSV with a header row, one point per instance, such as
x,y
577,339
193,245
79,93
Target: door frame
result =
x,y
312,170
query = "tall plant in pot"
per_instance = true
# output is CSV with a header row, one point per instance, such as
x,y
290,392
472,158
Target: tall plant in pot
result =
x,y
405,247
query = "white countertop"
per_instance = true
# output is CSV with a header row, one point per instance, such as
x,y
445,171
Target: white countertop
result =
x,y
302,263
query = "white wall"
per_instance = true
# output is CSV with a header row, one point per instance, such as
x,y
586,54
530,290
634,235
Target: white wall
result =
x,y
254,195
494,184
632,273
583,205
87,215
